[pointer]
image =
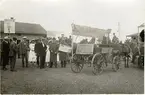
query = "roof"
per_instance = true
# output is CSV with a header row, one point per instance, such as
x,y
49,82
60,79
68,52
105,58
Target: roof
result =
x,y
132,35
26,28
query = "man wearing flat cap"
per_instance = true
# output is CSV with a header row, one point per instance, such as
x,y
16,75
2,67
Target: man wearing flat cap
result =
x,y
24,49
5,52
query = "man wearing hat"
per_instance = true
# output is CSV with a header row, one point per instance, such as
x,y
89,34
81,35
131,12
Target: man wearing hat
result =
x,y
36,49
41,52
24,48
5,52
12,53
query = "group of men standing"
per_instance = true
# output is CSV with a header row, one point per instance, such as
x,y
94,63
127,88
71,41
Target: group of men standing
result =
x,y
10,49
8,53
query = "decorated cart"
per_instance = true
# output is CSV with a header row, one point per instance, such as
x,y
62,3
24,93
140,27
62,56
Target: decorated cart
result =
x,y
98,55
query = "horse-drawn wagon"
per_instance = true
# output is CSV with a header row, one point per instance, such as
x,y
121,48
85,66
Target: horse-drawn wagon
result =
x,y
98,55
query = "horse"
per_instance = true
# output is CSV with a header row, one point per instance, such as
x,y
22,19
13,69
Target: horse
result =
x,y
126,50
123,51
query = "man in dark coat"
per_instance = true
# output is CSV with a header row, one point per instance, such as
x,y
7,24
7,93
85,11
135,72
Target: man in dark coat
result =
x,y
18,41
5,52
24,48
1,56
12,53
36,49
53,53
41,51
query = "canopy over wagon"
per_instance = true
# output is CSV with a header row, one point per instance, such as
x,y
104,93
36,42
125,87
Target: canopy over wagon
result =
x,y
89,31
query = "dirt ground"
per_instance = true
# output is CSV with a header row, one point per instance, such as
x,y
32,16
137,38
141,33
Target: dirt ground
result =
x,y
33,80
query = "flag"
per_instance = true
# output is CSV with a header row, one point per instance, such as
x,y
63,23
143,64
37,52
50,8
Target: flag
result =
x,y
88,31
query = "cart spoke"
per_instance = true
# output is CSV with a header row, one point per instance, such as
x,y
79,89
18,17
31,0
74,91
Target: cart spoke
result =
x,y
77,67
116,63
98,64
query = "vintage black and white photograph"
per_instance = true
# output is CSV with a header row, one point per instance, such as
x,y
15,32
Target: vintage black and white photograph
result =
x,y
72,46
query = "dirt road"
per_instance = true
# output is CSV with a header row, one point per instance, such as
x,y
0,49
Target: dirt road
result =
x,y
64,81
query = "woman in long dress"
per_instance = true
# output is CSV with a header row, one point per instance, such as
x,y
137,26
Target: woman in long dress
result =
x,y
32,55
47,59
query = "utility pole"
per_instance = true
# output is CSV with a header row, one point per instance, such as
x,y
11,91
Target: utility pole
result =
x,y
119,30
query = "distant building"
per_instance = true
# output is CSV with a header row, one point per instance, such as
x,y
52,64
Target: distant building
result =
x,y
32,31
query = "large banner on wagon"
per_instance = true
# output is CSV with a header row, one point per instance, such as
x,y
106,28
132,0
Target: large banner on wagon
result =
x,y
89,31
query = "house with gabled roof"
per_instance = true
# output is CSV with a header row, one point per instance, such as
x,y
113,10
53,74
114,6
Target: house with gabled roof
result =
x,y
30,30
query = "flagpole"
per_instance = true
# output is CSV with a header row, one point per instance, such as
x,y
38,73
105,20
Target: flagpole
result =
x,y
72,41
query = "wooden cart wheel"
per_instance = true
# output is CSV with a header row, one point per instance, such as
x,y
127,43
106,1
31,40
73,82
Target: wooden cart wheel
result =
x,y
97,62
116,63
76,66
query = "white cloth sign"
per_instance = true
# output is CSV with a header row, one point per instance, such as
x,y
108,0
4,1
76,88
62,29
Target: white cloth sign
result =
x,y
65,48
85,49
9,26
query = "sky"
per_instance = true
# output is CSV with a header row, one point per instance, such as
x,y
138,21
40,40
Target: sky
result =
x,y
58,15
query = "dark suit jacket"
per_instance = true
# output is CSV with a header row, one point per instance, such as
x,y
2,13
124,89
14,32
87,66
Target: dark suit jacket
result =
x,y
36,48
41,51
5,48
13,49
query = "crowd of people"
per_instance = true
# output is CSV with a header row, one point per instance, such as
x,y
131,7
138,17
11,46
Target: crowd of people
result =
x,y
42,52
45,51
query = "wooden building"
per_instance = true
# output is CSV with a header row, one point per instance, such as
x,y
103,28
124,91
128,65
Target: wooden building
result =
x,y
30,30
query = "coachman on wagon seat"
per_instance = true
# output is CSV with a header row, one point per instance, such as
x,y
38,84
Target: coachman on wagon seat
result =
x,y
115,40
